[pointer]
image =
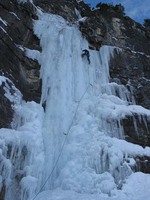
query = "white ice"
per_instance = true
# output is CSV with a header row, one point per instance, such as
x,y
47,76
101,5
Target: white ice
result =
x,y
136,187
3,21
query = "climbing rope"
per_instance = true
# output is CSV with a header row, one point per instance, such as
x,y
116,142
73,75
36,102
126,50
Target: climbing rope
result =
x,y
66,134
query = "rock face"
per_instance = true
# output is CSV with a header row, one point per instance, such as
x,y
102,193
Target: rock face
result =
x,y
6,112
133,70
136,129
66,9
130,66
113,28
16,34
142,164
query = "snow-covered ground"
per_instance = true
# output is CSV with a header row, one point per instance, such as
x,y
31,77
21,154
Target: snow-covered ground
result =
x,y
75,149
136,187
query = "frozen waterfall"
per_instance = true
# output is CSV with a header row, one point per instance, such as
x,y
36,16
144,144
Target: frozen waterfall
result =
x,y
73,86
77,143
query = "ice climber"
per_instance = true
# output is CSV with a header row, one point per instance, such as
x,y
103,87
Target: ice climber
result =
x,y
86,53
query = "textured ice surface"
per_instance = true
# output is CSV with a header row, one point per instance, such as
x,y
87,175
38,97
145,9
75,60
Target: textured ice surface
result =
x,y
135,188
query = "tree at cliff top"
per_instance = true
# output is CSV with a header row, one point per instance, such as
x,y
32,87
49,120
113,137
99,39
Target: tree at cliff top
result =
x,y
110,7
147,23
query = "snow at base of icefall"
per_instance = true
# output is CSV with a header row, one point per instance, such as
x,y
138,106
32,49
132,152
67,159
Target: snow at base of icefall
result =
x,y
136,187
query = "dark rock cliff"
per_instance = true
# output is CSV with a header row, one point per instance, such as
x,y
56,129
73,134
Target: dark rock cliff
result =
x,y
16,34
130,66
15,37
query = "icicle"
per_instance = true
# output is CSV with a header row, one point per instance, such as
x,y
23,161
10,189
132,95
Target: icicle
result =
x,y
28,185
135,126
145,120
